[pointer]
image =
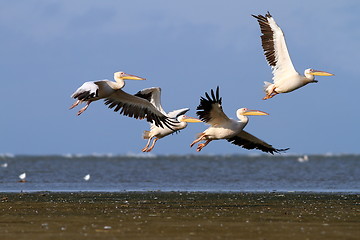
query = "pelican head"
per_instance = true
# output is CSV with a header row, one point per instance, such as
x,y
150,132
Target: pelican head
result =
x,y
124,76
242,114
311,73
248,112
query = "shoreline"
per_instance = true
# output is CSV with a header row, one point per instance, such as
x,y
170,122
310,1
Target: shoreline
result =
x,y
323,192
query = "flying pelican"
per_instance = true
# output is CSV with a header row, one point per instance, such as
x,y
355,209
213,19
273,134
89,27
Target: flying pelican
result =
x,y
180,121
286,78
130,105
222,127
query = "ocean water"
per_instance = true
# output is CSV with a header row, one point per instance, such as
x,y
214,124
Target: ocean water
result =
x,y
144,172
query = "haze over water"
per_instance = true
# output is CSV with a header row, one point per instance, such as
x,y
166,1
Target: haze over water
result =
x,y
240,173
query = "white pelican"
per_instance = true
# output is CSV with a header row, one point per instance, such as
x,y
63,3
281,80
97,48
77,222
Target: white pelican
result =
x,y
153,95
130,105
286,78
222,127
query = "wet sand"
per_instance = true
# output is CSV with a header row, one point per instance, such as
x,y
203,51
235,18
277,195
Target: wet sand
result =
x,y
179,215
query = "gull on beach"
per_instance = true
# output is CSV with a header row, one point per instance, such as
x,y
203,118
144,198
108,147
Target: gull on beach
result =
x,y
87,177
22,177
305,158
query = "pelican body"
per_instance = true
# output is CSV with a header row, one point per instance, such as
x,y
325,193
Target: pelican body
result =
x,y
94,90
286,78
179,120
118,100
222,127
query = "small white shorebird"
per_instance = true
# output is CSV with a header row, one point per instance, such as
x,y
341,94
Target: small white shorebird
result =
x,y
286,78
87,177
222,127
179,120
111,91
22,177
305,158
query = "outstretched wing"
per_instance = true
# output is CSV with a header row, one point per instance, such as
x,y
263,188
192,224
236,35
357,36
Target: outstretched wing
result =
x,y
248,141
137,107
177,113
153,95
274,46
210,109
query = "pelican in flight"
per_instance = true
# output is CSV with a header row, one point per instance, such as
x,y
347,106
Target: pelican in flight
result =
x,y
222,127
116,98
286,78
180,121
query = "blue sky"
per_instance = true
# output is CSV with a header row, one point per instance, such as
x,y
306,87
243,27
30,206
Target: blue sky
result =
x,y
49,48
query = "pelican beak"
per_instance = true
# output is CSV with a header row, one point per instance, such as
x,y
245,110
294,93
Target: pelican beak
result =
x,y
132,77
254,113
190,119
320,73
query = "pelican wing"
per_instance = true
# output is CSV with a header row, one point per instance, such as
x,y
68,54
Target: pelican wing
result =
x,y
153,95
136,107
248,141
86,91
210,109
177,113
94,90
274,45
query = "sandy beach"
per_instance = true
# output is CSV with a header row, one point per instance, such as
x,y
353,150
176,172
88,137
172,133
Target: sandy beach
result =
x,y
179,215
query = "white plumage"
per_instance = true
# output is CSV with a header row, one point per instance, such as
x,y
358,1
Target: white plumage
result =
x,y
222,127
87,177
285,77
117,99
179,120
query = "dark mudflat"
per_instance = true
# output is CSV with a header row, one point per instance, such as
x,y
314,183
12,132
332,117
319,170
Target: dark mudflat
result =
x,y
179,215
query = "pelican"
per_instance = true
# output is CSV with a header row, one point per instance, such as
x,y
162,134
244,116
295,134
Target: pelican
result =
x,y
111,91
286,78
222,127
180,121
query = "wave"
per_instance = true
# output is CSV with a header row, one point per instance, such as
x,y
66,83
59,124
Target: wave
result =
x,y
7,155
4,156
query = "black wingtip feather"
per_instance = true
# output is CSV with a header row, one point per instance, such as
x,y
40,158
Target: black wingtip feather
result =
x,y
206,104
250,145
267,38
139,113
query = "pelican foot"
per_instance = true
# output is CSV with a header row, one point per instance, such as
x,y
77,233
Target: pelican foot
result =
x,y
75,104
149,150
271,95
80,112
200,147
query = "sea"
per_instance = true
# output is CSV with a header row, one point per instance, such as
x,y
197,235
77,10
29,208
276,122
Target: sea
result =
x,y
190,173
